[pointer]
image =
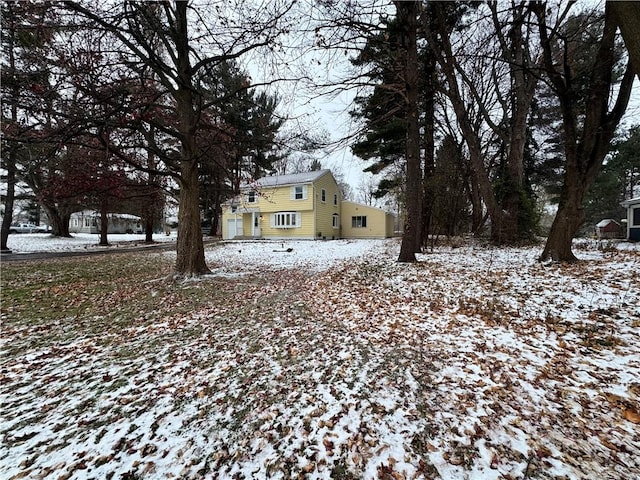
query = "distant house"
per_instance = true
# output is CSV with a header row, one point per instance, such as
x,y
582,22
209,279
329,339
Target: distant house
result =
x,y
633,218
88,221
609,228
300,206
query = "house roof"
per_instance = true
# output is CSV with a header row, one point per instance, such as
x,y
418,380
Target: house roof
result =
x,y
605,222
291,179
631,201
368,206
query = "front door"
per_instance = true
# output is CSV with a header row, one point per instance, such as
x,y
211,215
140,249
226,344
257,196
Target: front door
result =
x,y
256,224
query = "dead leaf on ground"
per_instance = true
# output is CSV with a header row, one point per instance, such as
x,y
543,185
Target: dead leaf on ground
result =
x,y
632,415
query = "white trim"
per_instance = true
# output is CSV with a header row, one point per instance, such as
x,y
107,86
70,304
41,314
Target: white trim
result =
x,y
286,220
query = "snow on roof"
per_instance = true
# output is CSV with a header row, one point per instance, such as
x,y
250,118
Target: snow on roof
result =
x,y
293,178
631,201
605,222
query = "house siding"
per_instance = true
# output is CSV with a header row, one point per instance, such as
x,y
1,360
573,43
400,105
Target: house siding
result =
x,y
324,210
379,222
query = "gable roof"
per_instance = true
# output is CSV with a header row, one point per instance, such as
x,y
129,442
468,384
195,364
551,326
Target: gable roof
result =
x,y
605,222
291,179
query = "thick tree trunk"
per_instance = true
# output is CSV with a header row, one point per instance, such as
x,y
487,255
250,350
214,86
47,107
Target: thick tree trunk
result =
x,y
190,259
565,226
148,227
59,219
190,247
627,15
7,218
411,241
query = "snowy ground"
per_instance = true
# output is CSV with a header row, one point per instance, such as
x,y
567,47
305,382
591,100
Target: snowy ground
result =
x,y
334,361
45,242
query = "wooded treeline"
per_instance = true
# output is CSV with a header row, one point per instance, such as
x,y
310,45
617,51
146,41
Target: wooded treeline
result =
x,y
517,104
470,112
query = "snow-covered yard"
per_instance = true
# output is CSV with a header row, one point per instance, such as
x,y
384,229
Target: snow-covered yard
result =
x,y
334,361
45,242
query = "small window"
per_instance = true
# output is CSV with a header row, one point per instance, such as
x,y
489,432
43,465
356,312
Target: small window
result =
x,y
299,192
323,195
336,220
359,222
335,199
635,217
252,197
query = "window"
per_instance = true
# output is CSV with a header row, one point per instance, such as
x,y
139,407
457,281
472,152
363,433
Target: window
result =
x,y
335,199
87,222
635,217
252,197
299,192
285,220
323,195
359,222
336,220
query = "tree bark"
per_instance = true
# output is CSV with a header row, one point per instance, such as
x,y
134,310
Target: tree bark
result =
x,y
407,16
59,218
104,223
190,247
190,259
7,218
627,15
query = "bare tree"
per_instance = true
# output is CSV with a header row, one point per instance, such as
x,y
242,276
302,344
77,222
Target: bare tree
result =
x,y
493,73
186,55
588,122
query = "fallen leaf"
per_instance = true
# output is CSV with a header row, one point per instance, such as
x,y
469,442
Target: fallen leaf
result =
x,y
631,415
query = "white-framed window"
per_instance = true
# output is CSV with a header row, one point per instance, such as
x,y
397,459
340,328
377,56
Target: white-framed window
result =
x,y
336,220
335,199
87,222
252,197
359,221
299,192
285,220
323,195
635,217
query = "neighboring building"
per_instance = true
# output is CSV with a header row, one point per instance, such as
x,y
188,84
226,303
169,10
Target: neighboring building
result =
x,y
88,221
633,218
301,206
609,228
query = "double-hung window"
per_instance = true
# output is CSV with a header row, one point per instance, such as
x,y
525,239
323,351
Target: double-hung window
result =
x,y
359,222
336,220
285,220
299,192
252,197
323,195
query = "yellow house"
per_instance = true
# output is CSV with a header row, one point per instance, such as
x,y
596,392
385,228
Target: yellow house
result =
x,y
300,206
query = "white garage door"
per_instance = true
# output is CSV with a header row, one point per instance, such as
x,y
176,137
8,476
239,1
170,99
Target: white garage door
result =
x,y
234,228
